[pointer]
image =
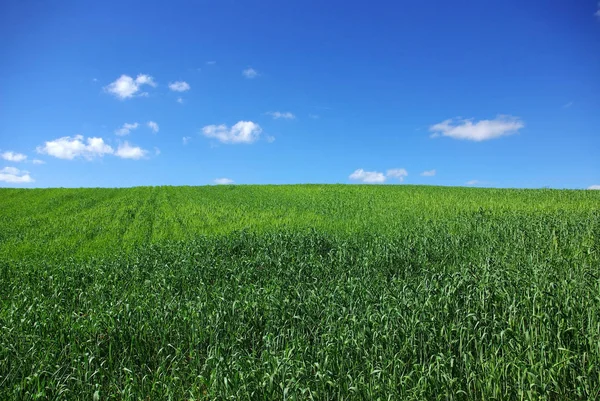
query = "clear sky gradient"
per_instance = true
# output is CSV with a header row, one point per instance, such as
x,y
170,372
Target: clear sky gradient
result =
x,y
124,93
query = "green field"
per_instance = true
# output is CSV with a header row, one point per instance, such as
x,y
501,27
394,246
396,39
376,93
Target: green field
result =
x,y
299,292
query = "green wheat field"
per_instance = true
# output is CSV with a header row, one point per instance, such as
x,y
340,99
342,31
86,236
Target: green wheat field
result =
x,y
299,292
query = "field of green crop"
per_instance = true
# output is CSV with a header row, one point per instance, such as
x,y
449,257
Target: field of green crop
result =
x,y
323,292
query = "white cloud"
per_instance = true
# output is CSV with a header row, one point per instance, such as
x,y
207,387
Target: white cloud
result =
x,y
428,173
278,114
143,79
14,176
223,181
369,177
13,156
179,86
250,73
567,105
186,139
153,126
125,86
179,100
313,116
156,151
398,173
241,132
71,147
473,182
376,177
126,129
597,13
479,131
126,151
596,187
38,161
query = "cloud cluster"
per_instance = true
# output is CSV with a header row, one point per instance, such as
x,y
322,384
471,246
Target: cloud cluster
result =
x,y
14,176
477,131
13,156
241,132
376,177
70,148
278,114
126,87
595,187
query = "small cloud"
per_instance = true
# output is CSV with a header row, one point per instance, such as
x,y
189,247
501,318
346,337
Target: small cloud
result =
x,y
186,139
38,161
179,100
72,147
278,114
428,173
398,173
566,106
211,62
594,187
126,129
153,126
179,86
156,151
250,73
473,182
313,116
94,79
597,13
479,131
14,176
223,181
13,156
368,177
143,79
241,132
270,139
126,151
126,87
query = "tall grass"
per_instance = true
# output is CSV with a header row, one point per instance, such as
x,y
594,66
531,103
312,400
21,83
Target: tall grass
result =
x,y
299,292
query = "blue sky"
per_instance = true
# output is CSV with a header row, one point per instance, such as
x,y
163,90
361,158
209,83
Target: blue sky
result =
x,y
105,94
